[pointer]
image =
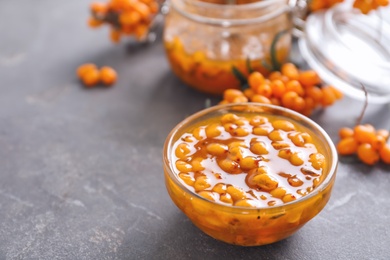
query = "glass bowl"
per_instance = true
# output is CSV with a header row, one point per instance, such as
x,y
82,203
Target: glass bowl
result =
x,y
239,223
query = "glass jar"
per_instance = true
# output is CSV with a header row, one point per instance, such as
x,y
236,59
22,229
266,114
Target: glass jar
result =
x,y
210,45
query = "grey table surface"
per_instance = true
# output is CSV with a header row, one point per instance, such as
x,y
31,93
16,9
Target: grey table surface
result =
x,y
81,170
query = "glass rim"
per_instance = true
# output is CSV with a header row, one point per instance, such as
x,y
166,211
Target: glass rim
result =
x,y
175,4
168,166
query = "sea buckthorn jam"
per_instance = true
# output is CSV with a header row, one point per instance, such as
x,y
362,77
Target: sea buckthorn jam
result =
x,y
248,160
249,174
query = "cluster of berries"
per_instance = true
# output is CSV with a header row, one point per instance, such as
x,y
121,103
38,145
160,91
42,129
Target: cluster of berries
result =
x,y
368,143
125,17
365,6
90,75
301,91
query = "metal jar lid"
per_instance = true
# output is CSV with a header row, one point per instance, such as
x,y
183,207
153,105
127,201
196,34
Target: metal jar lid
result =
x,y
349,50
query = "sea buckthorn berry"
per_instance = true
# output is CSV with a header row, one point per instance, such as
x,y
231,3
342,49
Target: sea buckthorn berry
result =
x,y
94,23
115,35
240,99
235,154
249,93
285,154
260,99
255,79
367,154
264,90
188,179
182,166
217,149
199,133
280,145
230,127
297,139
236,193
197,165
108,75
244,203
296,87
329,96
259,148
213,130
236,144
347,146
258,120
309,78
378,142
278,88
226,198
201,183
283,125
383,132
182,150
231,94
288,99
295,181
338,94
364,133
315,93
290,70
240,132
275,101
317,160
296,159
207,195
298,104
91,78
85,68
229,118
220,188
264,182
345,132
248,163
278,192
263,131
288,197
98,7
275,75
229,166
385,153
276,135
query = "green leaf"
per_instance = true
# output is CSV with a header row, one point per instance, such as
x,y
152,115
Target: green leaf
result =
x,y
248,65
241,77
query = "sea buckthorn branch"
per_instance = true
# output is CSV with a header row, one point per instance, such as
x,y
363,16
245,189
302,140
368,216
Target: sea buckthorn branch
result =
x,y
290,87
370,145
125,17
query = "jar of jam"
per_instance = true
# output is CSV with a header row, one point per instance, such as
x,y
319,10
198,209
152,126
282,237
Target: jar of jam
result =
x,y
211,43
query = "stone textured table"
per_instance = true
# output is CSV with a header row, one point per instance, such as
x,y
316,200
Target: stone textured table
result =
x,y
81,170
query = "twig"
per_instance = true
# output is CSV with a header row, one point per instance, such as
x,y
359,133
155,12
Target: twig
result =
x,y
359,120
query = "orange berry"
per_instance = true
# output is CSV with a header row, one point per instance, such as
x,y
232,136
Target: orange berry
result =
x,y
97,7
378,142
290,70
309,103
129,18
275,101
278,88
294,85
288,99
364,133
249,93
85,68
367,154
347,146
264,90
338,94
329,97
299,104
255,79
383,132
309,78
115,35
94,23
240,99
345,132
260,99
275,75
231,94
385,153
108,75
315,93
91,78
